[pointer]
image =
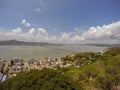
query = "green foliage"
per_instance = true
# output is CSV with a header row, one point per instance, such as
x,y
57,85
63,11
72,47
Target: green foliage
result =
x,y
112,51
82,59
47,79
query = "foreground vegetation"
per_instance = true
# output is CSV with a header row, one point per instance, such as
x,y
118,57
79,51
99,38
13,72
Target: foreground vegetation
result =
x,y
96,71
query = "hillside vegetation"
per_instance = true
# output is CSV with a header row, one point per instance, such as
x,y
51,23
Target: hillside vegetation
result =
x,y
96,71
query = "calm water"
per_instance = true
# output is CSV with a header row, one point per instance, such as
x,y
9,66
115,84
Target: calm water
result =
x,y
44,51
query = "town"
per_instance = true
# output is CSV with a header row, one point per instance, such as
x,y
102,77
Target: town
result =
x,y
10,68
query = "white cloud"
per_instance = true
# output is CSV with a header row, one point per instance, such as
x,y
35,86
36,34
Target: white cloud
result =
x,y
31,31
65,36
17,30
33,34
78,38
25,23
42,31
110,32
38,10
101,34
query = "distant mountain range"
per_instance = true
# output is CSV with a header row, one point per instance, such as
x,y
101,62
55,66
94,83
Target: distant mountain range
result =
x,y
23,43
105,45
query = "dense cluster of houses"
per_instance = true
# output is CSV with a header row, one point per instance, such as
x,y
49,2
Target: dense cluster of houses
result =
x,y
44,63
9,68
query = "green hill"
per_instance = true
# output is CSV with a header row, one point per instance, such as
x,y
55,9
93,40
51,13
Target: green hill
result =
x,y
96,71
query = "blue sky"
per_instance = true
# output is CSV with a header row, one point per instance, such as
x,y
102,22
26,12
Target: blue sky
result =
x,y
57,18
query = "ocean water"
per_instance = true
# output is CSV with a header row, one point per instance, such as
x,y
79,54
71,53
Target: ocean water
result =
x,y
45,51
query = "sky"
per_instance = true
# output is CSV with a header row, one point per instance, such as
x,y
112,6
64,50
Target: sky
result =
x,y
60,21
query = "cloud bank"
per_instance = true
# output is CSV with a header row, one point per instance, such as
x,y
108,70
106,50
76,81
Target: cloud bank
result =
x,y
101,34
